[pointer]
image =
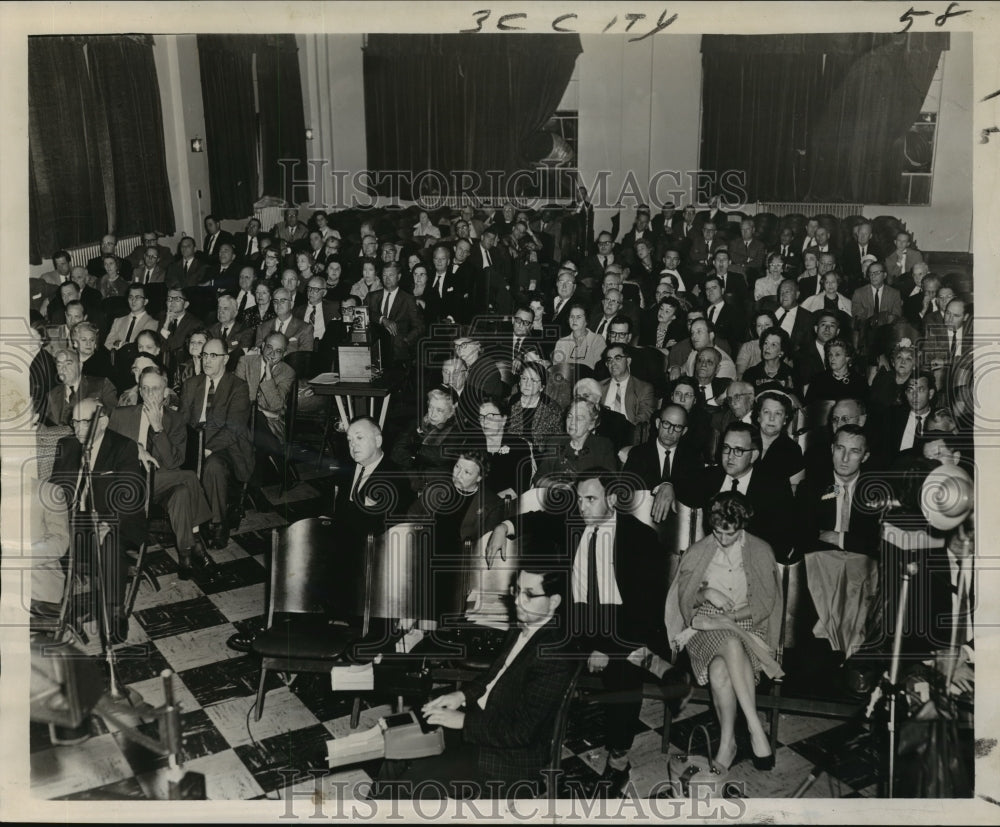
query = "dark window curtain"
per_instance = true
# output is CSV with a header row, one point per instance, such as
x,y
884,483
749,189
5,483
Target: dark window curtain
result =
x,y
814,117
282,117
460,102
756,116
125,82
226,65
855,152
66,199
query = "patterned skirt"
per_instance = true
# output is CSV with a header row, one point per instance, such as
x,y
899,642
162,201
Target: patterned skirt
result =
x,y
705,645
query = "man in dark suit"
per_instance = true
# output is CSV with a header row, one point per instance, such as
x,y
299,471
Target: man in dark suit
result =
x,y
794,319
647,362
947,345
727,316
567,293
791,255
396,313
904,423
150,241
810,359
641,231
619,589
924,304
237,337
121,523
521,341
592,268
821,242
713,215
187,270
214,236
161,437
247,243
223,275
318,311
854,252
175,324
704,245
150,269
466,270
452,289
711,387
96,265
74,387
831,508
667,458
746,253
502,739
218,403
774,519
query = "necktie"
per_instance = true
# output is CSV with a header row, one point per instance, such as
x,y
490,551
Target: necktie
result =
x,y
439,284
187,267
780,314
601,327
593,595
920,425
149,439
878,293
618,396
711,313
845,509
131,327
70,402
954,343
357,485
149,275
225,333
385,305
665,471
784,251
735,486
486,258
864,250
172,326
604,262
311,315
211,397
243,303
559,304
517,346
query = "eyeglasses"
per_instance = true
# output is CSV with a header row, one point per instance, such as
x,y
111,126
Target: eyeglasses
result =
x,y
516,593
493,417
618,358
171,298
671,427
735,450
205,353
519,320
315,289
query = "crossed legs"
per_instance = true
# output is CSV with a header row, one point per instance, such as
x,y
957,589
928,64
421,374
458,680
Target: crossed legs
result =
x,y
731,679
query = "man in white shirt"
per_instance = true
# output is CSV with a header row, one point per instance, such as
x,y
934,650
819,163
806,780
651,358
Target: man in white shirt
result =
x,y
298,333
919,393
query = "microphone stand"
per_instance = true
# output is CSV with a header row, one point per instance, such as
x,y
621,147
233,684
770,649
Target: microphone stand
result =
x,y
85,499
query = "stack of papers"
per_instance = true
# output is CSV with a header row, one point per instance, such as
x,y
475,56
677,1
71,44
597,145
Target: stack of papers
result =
x,y
353,678
352,749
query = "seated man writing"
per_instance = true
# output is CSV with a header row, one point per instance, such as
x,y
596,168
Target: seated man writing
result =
x,y
500,725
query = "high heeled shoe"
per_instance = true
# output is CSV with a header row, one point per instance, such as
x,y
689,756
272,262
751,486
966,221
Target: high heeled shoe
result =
x,y
764,763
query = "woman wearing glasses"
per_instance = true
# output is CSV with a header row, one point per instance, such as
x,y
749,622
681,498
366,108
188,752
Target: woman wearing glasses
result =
x,y
725,606
511,460
533,414
582,346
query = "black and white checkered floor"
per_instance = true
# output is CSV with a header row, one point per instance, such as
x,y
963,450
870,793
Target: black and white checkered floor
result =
x,y
184,627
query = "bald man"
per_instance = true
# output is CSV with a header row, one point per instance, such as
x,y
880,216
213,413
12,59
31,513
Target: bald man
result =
x,y
115,493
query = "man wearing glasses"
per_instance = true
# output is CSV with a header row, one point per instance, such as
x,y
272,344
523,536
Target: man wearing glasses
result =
x,y
769,494
299,334
218,403
175,325
525,343
625,394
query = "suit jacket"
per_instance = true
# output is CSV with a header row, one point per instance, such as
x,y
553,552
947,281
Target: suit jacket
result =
x,y
641,575
224,237
849,260
157,275
91,387
289,235
115,468
176,277
242,243
409,325
720,219
863,304
698,250
297,330
135,257
816,507
639,401
454,301
119,327
913,256
644,461
241,337
271,396
730,323
226,426
742,258
802,328
168,447
223,280
384,494
175,341
562,317
791,260
774,520
808,362
513,733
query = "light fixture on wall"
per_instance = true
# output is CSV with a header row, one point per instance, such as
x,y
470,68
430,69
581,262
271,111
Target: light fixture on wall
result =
x,y
197,145
309,133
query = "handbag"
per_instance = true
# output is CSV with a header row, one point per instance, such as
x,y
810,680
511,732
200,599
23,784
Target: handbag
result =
x,y
686,768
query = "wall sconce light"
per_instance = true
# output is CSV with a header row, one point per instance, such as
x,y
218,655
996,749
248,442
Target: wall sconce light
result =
x,y
309,133
197,145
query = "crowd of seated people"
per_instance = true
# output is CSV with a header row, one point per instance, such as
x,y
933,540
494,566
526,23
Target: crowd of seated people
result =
x,y
698,354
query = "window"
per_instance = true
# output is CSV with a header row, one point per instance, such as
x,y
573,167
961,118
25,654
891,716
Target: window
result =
x,y
919,144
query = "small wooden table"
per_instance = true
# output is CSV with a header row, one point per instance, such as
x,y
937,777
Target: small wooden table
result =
x,y
344,394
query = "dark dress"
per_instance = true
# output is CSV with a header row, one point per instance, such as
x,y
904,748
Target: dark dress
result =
x,y
423,452
513,466
597,452
783,380
784,457
885,392
824,386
